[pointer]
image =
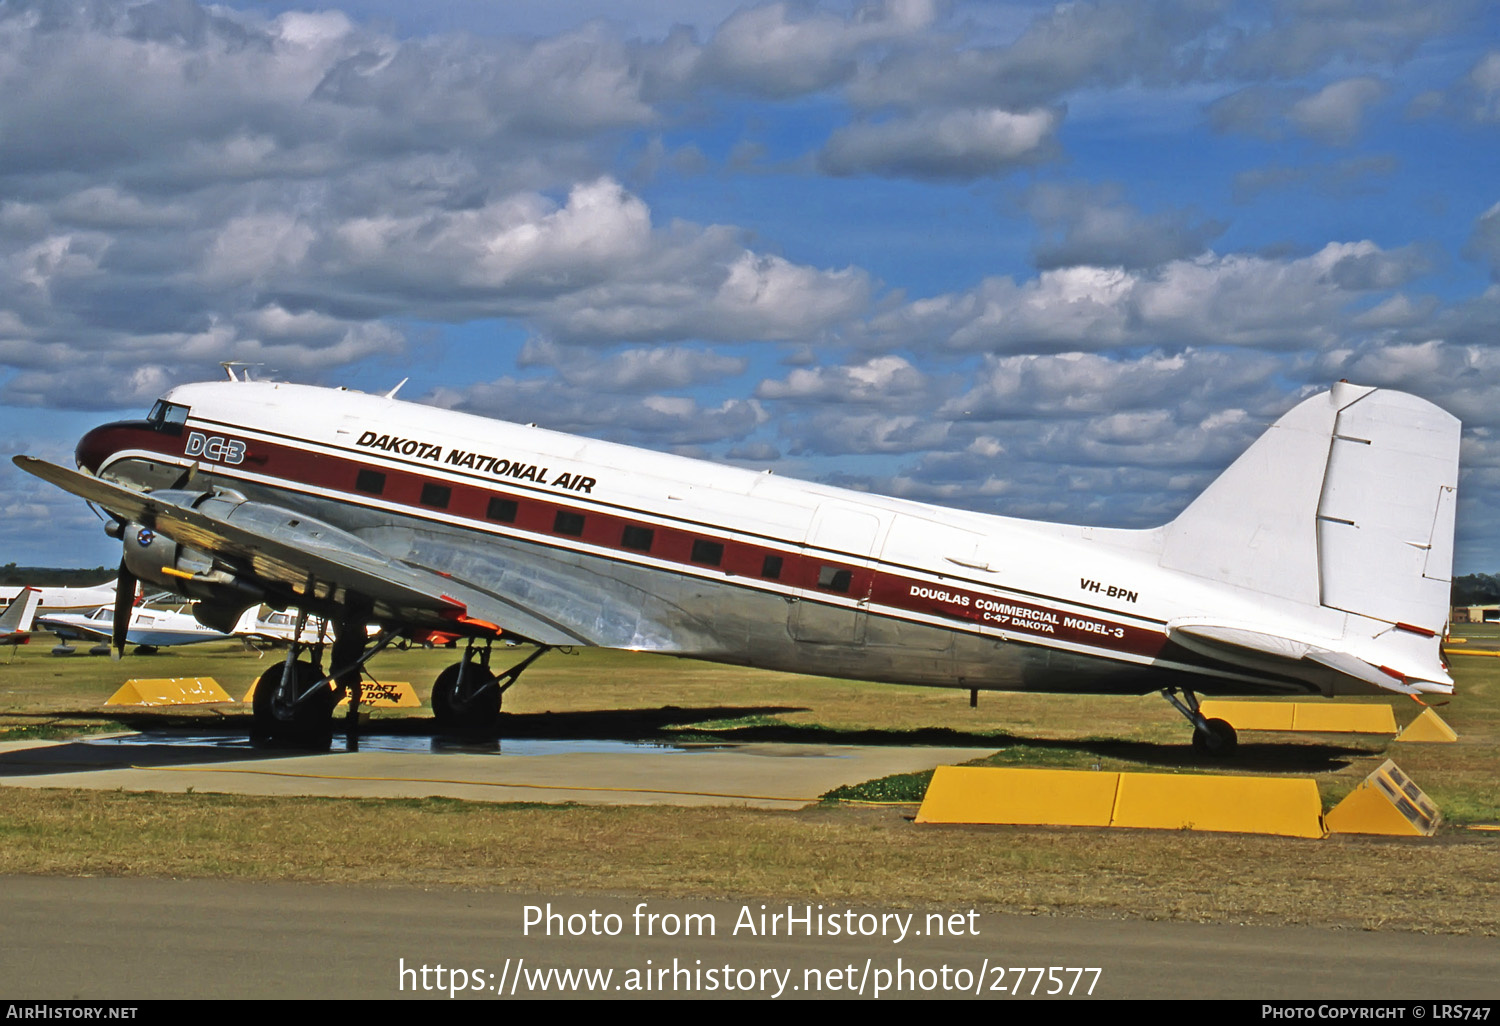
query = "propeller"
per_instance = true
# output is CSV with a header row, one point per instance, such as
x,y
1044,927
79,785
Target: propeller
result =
x,y
125,586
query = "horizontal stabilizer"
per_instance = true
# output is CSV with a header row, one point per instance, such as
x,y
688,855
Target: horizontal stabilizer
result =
x,y
1233,641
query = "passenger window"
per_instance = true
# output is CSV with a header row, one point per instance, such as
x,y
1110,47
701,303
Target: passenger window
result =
x,y
709,552
436,495
771,568
370,481
831,578
502,509
568,523
638,538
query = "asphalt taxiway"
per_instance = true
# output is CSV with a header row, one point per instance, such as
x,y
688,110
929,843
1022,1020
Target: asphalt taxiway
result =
x,y
778,776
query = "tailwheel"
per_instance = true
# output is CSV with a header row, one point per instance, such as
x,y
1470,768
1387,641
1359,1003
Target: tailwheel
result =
x,y
294,703
466,696
1216,738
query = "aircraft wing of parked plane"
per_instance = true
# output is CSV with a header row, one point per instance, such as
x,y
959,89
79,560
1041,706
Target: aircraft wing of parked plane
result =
x,y
1318,563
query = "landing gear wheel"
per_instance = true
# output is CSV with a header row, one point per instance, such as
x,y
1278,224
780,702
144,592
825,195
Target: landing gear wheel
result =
x,y
477,707
308,722
1219,740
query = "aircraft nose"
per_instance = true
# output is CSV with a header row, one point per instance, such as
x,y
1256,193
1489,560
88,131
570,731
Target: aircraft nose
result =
x,y
93,448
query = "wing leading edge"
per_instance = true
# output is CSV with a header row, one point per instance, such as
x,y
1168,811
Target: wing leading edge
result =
x,y
301,561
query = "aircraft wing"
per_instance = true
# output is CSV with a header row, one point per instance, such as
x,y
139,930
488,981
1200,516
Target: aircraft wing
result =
x,y
298,559
73,627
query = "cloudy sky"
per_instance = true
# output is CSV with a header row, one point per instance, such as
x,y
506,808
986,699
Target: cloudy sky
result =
x,y
1061,261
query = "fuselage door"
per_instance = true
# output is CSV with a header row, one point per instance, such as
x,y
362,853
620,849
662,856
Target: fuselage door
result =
x,y
838,575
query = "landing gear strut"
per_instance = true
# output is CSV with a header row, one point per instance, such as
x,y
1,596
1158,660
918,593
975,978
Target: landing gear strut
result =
x,y
294,701
1210,737
467,695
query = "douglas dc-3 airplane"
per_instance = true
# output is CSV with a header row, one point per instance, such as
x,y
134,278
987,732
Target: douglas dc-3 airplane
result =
x,y
1318,563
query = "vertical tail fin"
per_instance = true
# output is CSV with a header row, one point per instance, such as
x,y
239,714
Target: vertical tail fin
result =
x,y
19,615
1347,501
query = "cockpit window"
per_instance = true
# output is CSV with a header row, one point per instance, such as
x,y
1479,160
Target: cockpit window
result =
x,y
167,417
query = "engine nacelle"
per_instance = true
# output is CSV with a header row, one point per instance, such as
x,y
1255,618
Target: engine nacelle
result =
x,y
149,554
160,560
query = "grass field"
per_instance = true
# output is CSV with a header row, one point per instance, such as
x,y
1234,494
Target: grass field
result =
x,y
1450,883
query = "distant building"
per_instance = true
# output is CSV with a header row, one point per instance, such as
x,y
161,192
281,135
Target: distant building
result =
x,y
1476,614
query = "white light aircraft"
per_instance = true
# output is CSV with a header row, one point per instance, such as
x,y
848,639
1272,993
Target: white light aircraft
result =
x,y
63,600
148,628
1318,563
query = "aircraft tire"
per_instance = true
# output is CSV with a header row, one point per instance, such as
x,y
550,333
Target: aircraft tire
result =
x,y
1219,741
465,712
310,723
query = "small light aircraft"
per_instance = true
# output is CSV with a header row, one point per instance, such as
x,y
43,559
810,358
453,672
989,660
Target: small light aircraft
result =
x,y
149,628
64,600
15,622
1318,563
281,627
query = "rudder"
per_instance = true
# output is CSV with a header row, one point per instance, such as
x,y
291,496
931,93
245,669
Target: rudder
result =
x,y
1347,501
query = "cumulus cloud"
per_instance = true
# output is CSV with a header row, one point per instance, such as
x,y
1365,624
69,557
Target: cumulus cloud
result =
x,y
957,144
1300,36
1482,85
1484,243
1332,115
881,380
1083,385
783,49
1236,299
1065,47
1335,113
1084,225
836,432
657,421
631,370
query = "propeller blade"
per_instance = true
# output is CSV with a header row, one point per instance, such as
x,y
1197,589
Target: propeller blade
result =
x,y
124,603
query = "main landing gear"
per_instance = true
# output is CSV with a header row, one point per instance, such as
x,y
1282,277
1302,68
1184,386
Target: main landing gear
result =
x,y
467,695
1215,737
294,701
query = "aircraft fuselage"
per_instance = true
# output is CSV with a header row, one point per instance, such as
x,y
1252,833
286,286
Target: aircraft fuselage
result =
x,y
633,549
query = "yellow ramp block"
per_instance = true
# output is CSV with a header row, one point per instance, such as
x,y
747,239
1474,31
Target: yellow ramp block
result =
x,y
1344,718
1320,717
1265,805
983,794
169,691
1250,715
1428,727
1247,805
1388,802
387,694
